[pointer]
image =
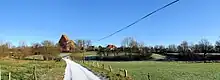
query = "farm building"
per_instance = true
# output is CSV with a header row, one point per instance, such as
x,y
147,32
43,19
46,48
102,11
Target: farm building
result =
x,y
66,45
110,46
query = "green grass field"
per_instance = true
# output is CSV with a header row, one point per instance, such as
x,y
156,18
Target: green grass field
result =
x,y
46,70
138,70
169,70
79,56
23,69
159,70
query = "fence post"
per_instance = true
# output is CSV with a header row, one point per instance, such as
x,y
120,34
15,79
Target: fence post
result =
x,y
0,73
126,73
93,64
97,64
35,74
85,62
9,76
110,68
88,63
148,76
103,66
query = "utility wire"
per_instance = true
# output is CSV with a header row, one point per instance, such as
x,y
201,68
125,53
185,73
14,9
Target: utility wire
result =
x,y
138,20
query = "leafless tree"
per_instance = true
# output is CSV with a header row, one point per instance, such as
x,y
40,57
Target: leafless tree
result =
x,y
172,48
79,43
49,49
141,44
205,46
129,42
4,48
217,46
88,43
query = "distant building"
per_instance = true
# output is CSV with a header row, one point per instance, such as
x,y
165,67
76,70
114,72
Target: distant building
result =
x,y
111,47
66,45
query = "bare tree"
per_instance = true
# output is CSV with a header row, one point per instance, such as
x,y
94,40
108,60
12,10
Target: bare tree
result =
x,y
129,42
217,46
80,43
205,46
49,49
141,44
23,50
126,41
4,48
162,49
172,48
183,47
36,48
195,48
88,43
48,43
22,44
156,48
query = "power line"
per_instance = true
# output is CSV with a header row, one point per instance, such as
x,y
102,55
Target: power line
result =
x,y
138,20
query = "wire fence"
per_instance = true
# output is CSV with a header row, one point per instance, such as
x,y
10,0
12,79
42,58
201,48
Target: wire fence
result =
x,y
7,75
102,68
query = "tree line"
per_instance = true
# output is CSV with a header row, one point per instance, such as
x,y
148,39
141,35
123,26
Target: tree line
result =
x,y
203,46
49,49
184,50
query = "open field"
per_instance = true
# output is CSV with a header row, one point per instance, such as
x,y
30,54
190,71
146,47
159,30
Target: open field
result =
x,y
138,70
163,70
169,70
23,69
79,56
45,70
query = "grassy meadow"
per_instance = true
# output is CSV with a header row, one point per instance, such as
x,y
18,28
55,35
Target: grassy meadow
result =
x,y
169,70
163,70
45,70
138,70
23,69
79,56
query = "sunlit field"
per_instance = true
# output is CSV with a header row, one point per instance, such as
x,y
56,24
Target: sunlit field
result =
x,y
24,69
169,70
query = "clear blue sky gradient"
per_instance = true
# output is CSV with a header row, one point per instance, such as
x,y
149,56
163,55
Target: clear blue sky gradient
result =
x,y
38,20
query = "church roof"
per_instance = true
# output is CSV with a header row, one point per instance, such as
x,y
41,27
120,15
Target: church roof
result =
x,y
63,38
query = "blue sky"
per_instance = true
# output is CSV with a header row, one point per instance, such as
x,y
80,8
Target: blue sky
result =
x,y
38,20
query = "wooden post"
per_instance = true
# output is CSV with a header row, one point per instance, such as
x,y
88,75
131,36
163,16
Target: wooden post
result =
x,y
85,62
93,64
83,53
103,66
0,73
90,63
110,68
97,64
9,76
126,73
35,74
148,76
